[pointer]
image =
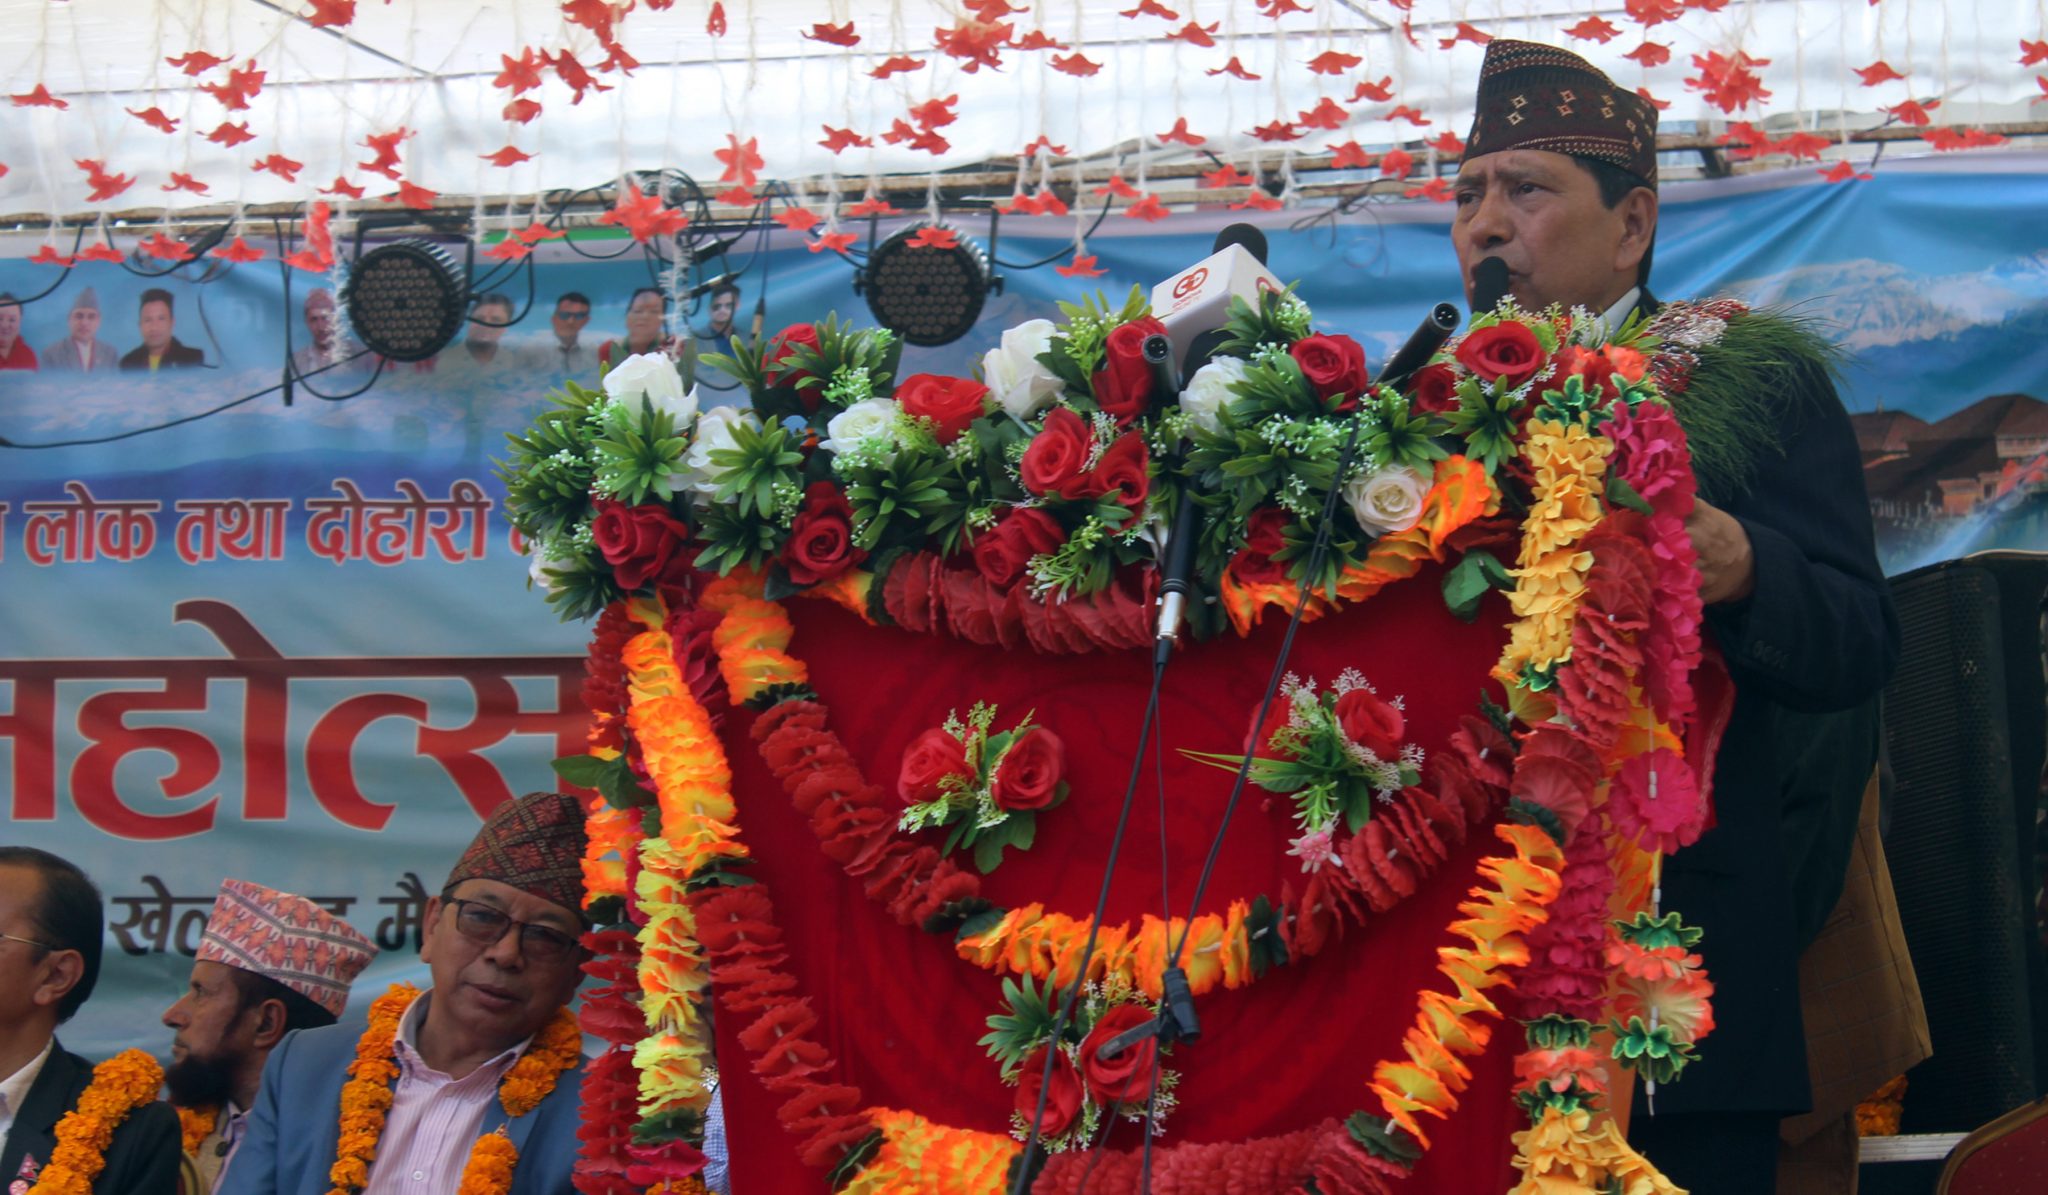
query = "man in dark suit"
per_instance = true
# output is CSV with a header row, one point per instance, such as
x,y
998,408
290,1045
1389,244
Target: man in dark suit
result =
x,y
51,925
160,349
1559,182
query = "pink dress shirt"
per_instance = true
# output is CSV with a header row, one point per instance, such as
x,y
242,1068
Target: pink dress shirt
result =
x,y
434,1119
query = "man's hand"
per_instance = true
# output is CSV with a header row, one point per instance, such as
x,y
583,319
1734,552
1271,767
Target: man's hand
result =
x,y
1727,566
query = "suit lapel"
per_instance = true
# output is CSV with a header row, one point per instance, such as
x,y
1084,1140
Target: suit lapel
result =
x,y
520,1128
35,1127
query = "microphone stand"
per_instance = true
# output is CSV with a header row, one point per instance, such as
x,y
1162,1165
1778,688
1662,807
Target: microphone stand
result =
x,y
1174,591
1177,1020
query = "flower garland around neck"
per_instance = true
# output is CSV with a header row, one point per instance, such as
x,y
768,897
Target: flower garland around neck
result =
x,y
196,1125
366,1097
119,1086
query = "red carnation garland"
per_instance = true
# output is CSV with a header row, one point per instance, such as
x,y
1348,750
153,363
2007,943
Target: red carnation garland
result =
x,y
922,593
736,927
856,821
611,1088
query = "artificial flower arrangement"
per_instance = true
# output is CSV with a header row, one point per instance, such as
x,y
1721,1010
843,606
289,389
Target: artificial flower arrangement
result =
x,y
1332,753
1086,1083
1027,508
989,787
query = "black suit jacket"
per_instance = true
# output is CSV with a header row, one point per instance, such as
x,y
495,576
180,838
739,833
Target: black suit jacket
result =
x,y
143,1160
177,355
1808,650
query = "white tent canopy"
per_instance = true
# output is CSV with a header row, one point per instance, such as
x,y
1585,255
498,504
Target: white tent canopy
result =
x,y
433,68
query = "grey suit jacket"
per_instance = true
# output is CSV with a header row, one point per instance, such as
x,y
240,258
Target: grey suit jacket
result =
x,y
289,1141
64,354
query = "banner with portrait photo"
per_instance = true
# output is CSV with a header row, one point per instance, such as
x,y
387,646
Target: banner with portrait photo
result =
x,y
285,636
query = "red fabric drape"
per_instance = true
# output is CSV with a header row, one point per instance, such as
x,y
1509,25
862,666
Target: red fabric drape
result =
x,y
902,1014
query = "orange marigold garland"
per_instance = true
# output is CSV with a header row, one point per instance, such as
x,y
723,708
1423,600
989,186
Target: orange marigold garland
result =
x,y
692,786
195,1125
119,1086
366,1097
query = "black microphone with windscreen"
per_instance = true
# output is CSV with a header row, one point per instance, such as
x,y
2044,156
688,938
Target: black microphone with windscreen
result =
x,y
1489,285
1435,328
1247,237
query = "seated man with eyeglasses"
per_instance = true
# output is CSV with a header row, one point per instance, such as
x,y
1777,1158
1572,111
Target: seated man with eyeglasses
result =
x,y
460,1086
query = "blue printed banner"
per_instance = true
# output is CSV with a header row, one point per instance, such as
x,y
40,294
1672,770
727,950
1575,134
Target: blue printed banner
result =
x,y
285,635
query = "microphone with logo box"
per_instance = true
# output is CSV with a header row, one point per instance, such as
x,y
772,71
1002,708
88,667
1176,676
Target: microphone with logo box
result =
x,y
1195,303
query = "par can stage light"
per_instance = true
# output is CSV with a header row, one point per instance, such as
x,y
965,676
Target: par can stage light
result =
x,y
928,296
406,300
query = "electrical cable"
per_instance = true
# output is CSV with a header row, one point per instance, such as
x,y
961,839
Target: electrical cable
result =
x,y
1071,999
1046,261
1317,552
62,274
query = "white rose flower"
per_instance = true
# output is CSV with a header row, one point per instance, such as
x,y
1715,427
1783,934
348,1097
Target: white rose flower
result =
x,y
538,564
1387,501
871,419
1208,392
653,376
1019,381
714,432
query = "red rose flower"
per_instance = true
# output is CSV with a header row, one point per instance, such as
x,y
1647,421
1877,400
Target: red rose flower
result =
x,y
950,403
1123,386
1002,552
1371,723
782,348
1591,366
1029,775
1434,388
932,757
1332,364
1255,564
1128,1076
1062,1095
821,543
1054,460
1508,352
1123,472
643,544
1261,741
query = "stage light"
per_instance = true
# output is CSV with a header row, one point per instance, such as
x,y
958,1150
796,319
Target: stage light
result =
x,y
406,300
928,296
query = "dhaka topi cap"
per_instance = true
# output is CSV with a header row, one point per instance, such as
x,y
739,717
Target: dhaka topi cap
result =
x,y
85,300
285,938
535,844
1533,96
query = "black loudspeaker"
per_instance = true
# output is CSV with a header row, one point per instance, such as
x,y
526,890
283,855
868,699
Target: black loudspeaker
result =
x,y
1965,720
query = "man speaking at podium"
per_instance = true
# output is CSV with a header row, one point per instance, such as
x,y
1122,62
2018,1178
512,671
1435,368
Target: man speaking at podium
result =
x,y
1559,181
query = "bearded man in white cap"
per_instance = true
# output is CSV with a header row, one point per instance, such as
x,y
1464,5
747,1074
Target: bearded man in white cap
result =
x,y
270,962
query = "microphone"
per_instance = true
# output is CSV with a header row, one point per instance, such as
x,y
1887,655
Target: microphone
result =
x,y
1177,570
708,285
1489,284
1197,300
1436,327
760,316
715,248
1177,578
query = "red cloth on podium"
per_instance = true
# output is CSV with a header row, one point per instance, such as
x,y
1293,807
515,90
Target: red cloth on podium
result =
x,y
902,1013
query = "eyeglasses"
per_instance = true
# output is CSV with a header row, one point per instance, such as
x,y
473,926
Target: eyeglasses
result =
x,y
573,317
30,942
486,926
